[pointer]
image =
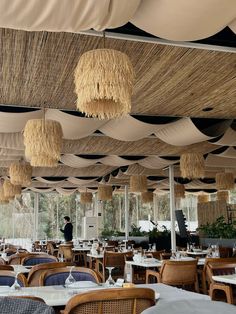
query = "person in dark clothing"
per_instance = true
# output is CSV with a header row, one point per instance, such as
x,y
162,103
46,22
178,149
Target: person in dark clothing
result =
x,y
68,229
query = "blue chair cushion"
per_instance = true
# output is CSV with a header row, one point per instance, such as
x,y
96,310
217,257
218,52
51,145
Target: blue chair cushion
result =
x,y
38,260
60,278
8,281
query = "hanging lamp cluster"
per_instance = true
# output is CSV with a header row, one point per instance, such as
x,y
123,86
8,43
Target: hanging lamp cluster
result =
x,y
138,183
146,197
192,165
10,190
203,198
86,198
179,191
104,192
223,196
20,173
225,181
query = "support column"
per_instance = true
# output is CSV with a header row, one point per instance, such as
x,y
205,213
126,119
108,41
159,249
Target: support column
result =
x,y
36,215
76,217
137,209
57,217
126,212
155,208
172,207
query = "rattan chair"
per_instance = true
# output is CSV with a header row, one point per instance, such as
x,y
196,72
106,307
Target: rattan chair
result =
x,y
38,259
2,261
58,276
6,267
37,270
120,300
7,278
51,249
216,289
176,273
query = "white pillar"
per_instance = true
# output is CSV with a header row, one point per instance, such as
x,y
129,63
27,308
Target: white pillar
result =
x,y
36,215
126,212
57,216
172,207
76,218
137,209
155,208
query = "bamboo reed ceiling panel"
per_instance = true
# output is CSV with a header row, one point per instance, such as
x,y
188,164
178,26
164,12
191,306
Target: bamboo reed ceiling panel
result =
x,y
38,67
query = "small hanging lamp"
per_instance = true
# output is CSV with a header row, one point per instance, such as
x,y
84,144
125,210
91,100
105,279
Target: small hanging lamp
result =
x,y
146,197
104,192
203,198
223,196
192,165
179,191
43,142
104,83
225,181
86,197
138,183
10,190
3,199
20,173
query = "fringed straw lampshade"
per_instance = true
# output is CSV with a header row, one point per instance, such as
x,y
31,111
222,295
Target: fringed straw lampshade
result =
x,y
138,183
10,190
104,192
3,199
43,142
103,83
192,165
86,197
146,197
223,196
203,198
224,181
179,191
20,173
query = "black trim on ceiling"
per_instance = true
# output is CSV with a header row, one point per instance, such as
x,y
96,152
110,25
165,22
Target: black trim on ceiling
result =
x,y
203,190
170,158
155,119
115,172
207,180
220,150
15,109
91,156
224,38
233,125
212,127
156,178
216,139
132,157
54,178
181,180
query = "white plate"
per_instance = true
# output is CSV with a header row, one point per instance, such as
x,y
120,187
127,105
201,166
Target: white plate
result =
x,y
157,295
83,284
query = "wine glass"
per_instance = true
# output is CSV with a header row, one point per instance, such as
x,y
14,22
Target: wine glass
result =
x,y
150,247
15,285
110,282
70,279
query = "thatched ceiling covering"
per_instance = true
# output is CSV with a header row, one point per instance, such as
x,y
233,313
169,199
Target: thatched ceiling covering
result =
x,y
37,71
37,68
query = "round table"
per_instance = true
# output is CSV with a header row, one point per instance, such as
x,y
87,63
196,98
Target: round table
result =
x,y
191,307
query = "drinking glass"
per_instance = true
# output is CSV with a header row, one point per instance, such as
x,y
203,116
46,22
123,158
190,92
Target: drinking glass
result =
x,y
70,279
15,285
150,247
110,282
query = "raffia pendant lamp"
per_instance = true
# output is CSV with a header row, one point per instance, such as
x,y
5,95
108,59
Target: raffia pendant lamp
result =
x,y
104,192
86,197
138,183
192,165
224,181
146,197
103,83
43,142
223,196
3,199
179,191
20,173
10,190
203,198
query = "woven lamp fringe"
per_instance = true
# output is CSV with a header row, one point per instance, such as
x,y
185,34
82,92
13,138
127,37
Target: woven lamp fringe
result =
x,y
20,173
179,191
138,183
3,199
192,165
146,197
10,190
104,83
224,181
223,196
43,142
203,198
86,197
104,192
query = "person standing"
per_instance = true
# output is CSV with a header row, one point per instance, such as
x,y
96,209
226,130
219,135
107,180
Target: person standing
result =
x,y
68,229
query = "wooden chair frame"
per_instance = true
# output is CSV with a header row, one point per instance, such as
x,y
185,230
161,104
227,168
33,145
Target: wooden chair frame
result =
x,y
25,259
111,294
20,276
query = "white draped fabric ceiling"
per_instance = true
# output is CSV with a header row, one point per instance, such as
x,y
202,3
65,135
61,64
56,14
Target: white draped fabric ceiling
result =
x,y
182,20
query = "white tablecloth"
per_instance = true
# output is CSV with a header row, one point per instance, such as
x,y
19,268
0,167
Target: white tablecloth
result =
x,y
191,307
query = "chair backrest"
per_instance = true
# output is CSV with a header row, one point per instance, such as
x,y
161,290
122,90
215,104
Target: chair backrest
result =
x,y
16,259
66,250
22,305
225,252
58,276
120,300
114,259
215,260
50,248
164,256
157,254
223,268
37,270
2,261
178,272
7,278
6,267
38,259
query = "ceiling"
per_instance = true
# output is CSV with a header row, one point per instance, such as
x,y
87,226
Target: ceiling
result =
x,y
37,71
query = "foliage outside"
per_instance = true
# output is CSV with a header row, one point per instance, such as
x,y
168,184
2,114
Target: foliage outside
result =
x,y
218,229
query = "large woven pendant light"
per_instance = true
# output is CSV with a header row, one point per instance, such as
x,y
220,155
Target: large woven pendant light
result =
x,y
138,183
103,83
86,197
3,199
203,198
10,190
20,173
223,196
43,142
104,192
179,191
224,181
146,197
192,165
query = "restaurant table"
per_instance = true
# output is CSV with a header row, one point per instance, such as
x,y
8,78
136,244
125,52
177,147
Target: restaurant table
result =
x,y
94,257
59,295
153,263
231,279
21,269
81,249
191,307
195,253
